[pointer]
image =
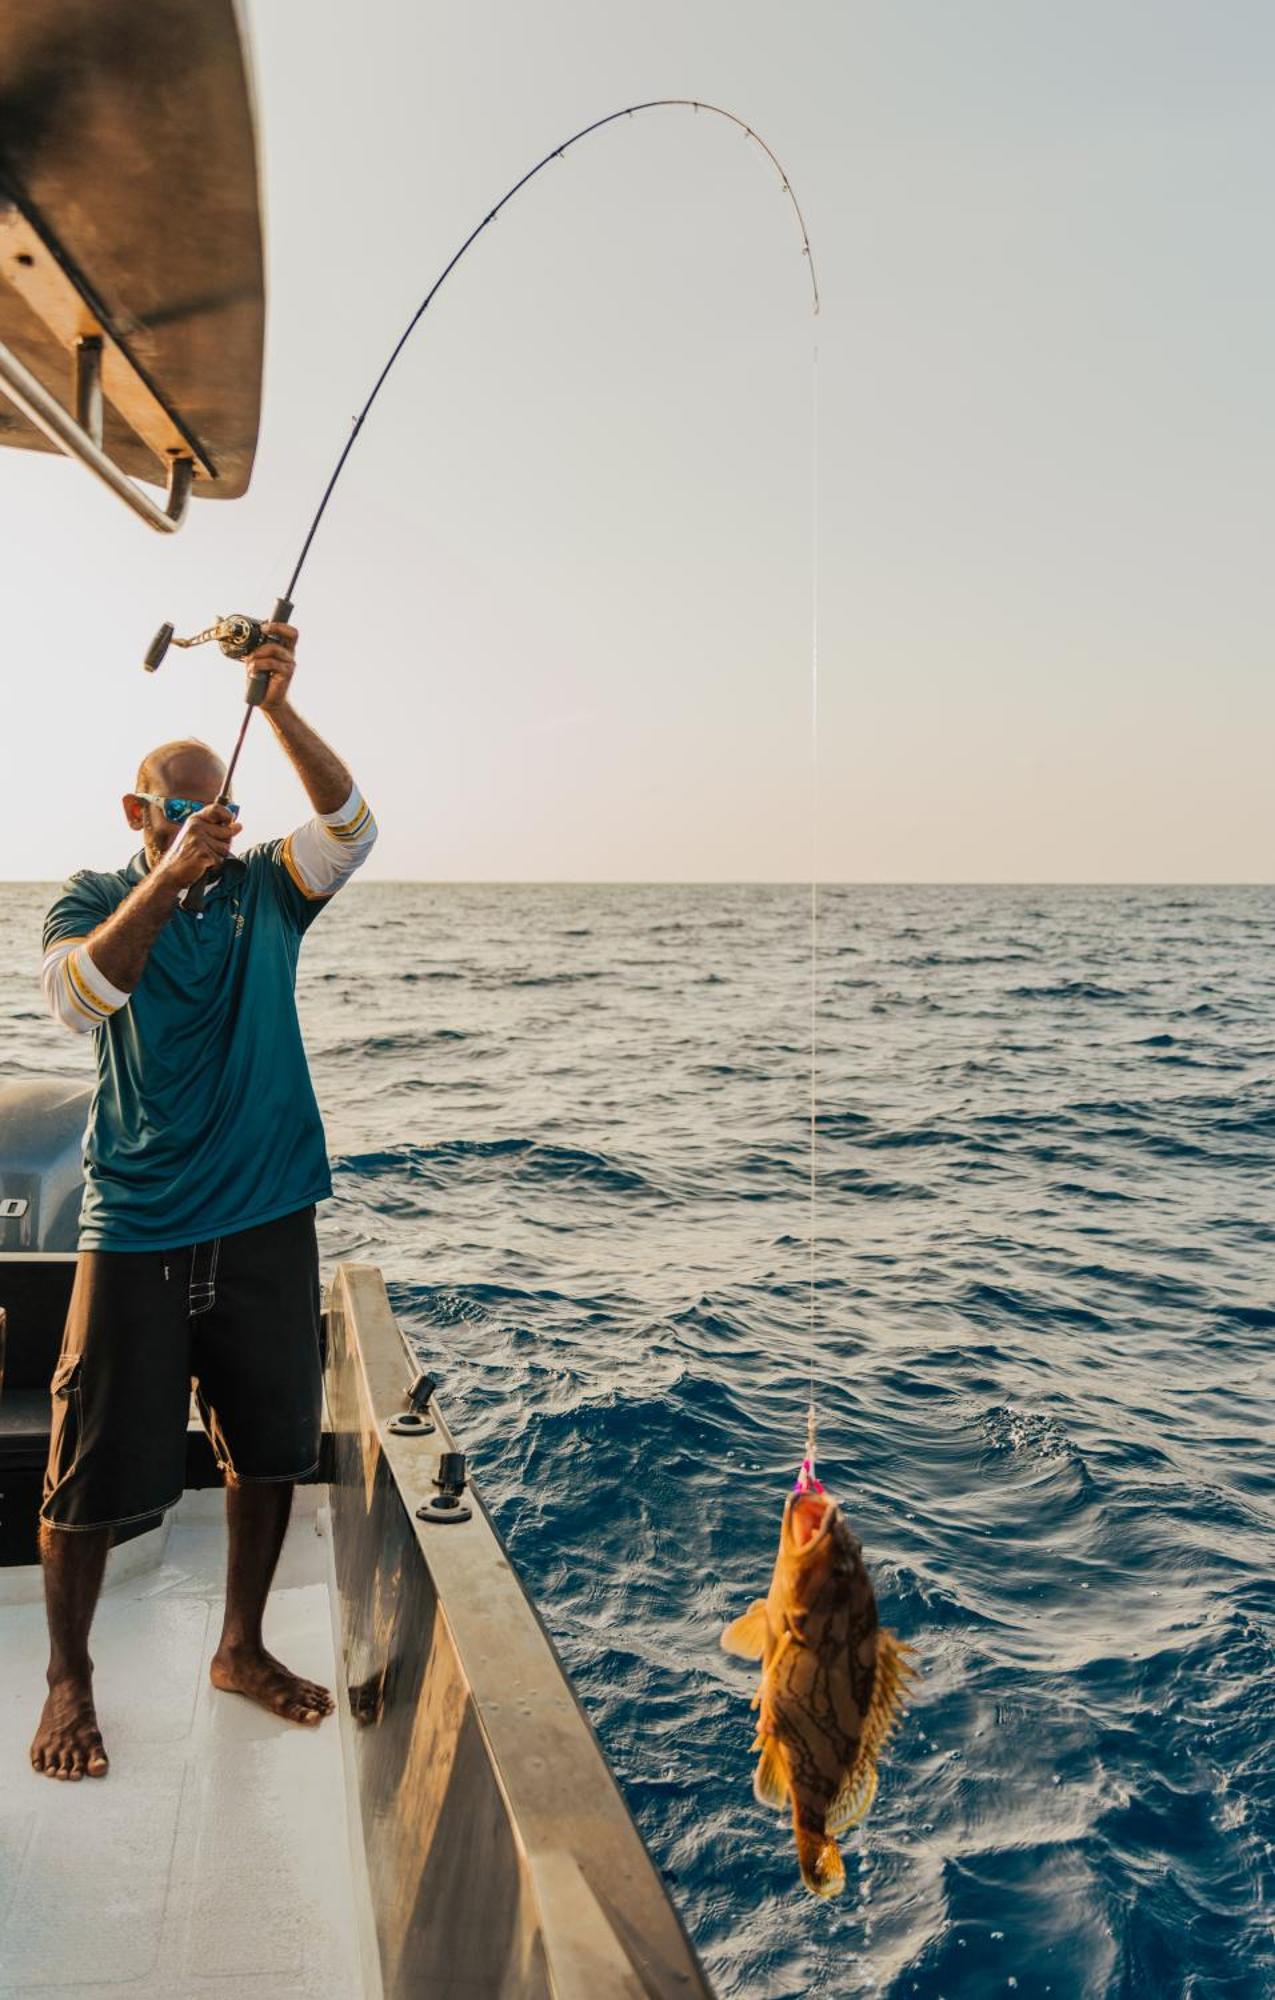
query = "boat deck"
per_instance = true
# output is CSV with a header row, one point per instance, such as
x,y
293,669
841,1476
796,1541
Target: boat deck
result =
x,y
215,1857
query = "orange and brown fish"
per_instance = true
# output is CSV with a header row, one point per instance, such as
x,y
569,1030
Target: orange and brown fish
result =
x,y
833,1682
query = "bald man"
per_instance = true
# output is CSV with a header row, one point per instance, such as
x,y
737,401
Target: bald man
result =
x,y
204,1160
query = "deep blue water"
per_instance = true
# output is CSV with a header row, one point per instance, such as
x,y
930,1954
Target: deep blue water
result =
x,y
570,1123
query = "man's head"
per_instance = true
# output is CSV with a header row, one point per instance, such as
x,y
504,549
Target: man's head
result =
x,y
185,770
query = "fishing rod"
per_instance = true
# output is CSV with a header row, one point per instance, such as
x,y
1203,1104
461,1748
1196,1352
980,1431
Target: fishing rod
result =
x,y
239,635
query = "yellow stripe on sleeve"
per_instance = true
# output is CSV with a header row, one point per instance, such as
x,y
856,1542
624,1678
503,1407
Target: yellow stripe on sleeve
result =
x,y
286,856
351,829
80,996
340,825
85,984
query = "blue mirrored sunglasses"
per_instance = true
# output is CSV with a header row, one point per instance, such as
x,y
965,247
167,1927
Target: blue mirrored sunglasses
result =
x,y
179,809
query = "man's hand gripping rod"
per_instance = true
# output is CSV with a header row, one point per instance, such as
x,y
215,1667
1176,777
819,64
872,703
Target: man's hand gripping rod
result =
x,y
238,636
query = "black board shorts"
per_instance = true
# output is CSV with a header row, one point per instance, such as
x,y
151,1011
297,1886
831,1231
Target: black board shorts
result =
x,y
238,1316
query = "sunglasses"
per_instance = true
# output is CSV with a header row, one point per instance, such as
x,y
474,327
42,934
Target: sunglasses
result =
x,y
177,810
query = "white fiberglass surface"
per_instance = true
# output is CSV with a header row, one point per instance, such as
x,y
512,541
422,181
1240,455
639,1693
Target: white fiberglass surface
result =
x,y
214,1857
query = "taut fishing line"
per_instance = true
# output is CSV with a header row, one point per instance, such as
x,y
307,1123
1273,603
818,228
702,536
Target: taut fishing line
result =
x,y
807,1481
808,1469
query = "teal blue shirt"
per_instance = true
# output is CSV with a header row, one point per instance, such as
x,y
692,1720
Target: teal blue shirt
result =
x,y
204,1120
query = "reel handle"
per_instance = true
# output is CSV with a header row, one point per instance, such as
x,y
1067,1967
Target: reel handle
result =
x,y
159,645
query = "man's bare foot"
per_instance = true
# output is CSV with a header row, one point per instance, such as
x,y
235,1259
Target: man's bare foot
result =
x,y
262,1678
68,1743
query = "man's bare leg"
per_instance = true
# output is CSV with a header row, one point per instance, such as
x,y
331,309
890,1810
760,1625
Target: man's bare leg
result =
x,y
257,1520
68,1743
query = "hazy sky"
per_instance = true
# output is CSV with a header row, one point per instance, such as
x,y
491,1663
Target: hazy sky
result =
x,y
559,616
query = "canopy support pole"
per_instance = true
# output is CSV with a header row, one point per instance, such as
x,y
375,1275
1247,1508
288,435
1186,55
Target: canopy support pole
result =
x,y
62,429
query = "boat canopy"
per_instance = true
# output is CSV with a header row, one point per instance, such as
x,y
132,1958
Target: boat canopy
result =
x,y
132,309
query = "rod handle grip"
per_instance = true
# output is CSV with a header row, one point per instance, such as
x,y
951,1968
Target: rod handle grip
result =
x,y
258,683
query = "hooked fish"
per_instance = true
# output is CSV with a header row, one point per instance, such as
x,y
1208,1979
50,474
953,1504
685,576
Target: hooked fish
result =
x,y
833,1683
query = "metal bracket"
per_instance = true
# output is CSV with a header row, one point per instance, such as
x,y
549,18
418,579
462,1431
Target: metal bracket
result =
x,y
88,385
103,371
61,429
442,1511
409,1424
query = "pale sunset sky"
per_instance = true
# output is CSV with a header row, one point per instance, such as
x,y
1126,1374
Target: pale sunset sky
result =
x,y
559,617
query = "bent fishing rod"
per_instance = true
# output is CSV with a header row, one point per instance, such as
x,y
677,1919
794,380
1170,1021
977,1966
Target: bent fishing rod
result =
x,y
239,635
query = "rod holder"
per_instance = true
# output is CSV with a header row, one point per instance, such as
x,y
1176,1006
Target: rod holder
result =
x,y
448,1504
415,1420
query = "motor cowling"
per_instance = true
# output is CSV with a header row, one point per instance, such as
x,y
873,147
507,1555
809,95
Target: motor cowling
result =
x,y
42,1123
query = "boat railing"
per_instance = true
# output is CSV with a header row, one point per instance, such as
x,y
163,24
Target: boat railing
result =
x,y
500,1854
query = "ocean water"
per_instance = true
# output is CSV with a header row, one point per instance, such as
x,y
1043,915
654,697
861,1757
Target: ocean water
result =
x,y
570,1123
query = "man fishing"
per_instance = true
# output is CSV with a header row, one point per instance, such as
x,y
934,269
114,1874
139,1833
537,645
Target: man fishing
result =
x,y
204,1159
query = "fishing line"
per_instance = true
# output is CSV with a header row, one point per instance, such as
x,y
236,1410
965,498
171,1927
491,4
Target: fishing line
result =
x,y
814,885
807,1481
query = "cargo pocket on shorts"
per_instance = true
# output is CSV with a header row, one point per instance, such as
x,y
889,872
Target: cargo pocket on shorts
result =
x,y
68,1421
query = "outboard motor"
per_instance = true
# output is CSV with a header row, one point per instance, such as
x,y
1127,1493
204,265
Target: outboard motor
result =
x,y
41,1173
41,1183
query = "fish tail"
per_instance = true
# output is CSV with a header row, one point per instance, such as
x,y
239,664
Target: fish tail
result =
x,y
822,1869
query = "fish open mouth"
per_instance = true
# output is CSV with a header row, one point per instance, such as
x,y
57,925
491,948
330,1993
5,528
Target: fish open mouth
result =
x,y
808,1516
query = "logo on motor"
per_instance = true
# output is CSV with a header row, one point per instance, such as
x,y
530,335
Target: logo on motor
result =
x,y
12,1207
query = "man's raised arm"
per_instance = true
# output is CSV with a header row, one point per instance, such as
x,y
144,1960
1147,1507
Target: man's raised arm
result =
x,y
321,855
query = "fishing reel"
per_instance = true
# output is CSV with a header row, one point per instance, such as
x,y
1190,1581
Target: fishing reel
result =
x,y
237,636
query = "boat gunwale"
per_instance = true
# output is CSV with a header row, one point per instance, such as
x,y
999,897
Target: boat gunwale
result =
x,y
605,1920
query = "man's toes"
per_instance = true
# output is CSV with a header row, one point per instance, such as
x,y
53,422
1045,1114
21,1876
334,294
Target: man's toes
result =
x,y
76,1761
96,1761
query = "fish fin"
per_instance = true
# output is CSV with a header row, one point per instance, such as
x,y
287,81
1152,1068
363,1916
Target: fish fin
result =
x,y
747,1635
822,1869
854,1798
770,1780
889,1694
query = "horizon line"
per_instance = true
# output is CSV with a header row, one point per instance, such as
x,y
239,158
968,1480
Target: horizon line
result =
x,y
803,882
